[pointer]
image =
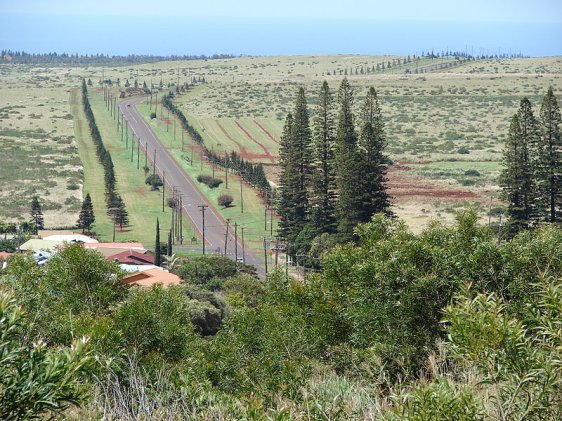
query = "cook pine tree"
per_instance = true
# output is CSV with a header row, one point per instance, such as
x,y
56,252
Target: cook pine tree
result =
x,y
372,142
520,159
37,214
323,191
548,171
86,217
352,194
295,162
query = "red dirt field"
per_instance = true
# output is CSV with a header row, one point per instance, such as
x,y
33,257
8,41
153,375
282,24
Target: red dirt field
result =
x,y
263,129
267,153
242,151
404,188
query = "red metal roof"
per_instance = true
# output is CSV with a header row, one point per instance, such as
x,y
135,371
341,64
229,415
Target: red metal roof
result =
x,y
132,257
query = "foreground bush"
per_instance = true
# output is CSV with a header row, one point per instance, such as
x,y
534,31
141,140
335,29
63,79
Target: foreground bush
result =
x,y
35,381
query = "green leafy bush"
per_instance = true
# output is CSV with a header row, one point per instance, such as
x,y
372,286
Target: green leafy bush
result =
x,y
35,381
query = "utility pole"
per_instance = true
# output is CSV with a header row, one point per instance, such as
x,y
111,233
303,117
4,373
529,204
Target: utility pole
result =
x,y
132,146
181,219
146,153
154,163
203,207
172,223
271,221
277,252
163,188
236,241
138,153
241,196
226,236
156,104
127,134
226,168
243,246
265,254
212,159
265,215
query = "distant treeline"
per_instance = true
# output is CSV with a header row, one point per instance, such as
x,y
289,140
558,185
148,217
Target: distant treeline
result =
x,y
21,57
250,172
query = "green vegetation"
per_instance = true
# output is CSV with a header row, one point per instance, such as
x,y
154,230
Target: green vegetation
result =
x,y
448,324
36,381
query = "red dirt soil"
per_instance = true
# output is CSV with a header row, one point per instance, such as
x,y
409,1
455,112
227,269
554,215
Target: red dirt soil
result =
x,y
266,131
404,187
267,154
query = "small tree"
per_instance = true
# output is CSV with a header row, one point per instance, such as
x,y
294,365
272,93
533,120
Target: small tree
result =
x,y
37,214
225,200
86,217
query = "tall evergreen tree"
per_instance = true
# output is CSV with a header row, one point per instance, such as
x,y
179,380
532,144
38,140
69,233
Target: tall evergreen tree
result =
x,y
302,142
517,181
295,176
549,160
323,195
120,214
372,142
288,183
86,217
349,164
109,173
37,214
157,249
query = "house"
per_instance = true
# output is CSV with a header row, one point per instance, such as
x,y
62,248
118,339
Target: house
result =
x,y
151,277
110,249
39,245
70,238
129,268
132,257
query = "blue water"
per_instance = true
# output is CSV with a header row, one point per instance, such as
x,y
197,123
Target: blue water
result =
x,y
166,36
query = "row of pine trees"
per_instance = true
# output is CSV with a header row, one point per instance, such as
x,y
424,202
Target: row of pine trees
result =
x,y
115,205
333,170
532,175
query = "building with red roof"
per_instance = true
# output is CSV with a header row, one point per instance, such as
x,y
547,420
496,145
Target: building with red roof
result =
x,y
132,257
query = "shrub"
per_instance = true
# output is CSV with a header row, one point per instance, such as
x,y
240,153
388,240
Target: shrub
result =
x,y
156,320
209,181
152,116
154,181
472,173
463,150
211,271
225,200
35,381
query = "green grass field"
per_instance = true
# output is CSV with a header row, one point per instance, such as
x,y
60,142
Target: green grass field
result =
x,y
252,219
143,205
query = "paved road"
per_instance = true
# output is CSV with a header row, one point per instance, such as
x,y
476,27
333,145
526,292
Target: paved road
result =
x,y
215,226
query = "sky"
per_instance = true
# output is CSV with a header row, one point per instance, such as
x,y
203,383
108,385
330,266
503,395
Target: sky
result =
x,y
165,27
